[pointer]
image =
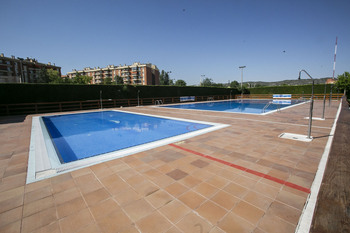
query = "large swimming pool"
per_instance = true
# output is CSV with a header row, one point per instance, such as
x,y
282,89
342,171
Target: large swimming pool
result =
x,y
61,143
250,106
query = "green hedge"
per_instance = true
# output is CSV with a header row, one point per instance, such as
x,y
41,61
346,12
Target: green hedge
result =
x,y
306,89
36,93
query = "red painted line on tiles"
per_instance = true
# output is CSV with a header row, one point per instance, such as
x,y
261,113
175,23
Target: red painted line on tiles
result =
x,y
265,176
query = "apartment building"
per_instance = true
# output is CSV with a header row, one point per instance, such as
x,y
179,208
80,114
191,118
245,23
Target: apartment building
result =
x,y
137,73
20,70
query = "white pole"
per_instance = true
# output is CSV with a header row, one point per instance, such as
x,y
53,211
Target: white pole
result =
x,y
241,83
242,67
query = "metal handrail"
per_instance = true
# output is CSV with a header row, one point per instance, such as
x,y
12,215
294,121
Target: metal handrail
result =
x,y
158,102
266,106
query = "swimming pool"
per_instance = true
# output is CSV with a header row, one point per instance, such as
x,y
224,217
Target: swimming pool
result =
x,y
251,106
62,143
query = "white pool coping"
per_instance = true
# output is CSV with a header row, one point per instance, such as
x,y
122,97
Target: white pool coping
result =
x,y
43,160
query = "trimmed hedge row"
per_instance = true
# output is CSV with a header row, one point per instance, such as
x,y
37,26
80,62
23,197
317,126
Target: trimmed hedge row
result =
x,y
37,93
306,89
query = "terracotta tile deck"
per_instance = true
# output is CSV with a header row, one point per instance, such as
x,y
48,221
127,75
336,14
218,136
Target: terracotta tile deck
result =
x,y
169,189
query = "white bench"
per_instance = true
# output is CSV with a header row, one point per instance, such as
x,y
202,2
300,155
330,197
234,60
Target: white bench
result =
x,y
282,99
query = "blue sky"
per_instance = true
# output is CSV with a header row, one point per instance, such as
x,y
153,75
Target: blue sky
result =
x,y
188,38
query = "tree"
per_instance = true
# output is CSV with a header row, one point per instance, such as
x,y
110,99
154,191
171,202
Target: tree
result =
x,y
161,77
343,82
81,79
50,76
118,79
54,77
164,78
207,82
234,84
43,76
107,81
180,83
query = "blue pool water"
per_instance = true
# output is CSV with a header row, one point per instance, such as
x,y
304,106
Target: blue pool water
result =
x,y
237,106
79,136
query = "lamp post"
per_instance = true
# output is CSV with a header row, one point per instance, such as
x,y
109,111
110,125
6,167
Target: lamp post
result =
x,y
242,67
311,103
202,77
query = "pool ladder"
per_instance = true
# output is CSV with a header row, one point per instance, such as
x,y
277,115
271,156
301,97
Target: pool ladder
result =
x,y
158,102
268,104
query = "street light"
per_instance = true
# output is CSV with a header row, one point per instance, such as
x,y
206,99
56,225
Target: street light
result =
x,y
202,77
242,67
311,103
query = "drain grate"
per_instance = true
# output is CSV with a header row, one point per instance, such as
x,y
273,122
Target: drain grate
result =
x,y
297,137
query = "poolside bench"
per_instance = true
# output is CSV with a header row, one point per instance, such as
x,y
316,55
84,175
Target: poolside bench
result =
x,y
187,98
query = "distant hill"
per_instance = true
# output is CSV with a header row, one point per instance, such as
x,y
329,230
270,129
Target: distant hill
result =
x,y
293,82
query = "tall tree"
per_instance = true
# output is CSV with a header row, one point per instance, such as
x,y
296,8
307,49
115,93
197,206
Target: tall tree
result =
x,y
161,77
164,78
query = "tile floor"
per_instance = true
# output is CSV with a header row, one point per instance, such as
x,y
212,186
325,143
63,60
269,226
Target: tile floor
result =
x,y
171,189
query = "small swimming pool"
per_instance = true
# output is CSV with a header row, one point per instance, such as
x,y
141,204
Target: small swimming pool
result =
x,y
250,106
64,142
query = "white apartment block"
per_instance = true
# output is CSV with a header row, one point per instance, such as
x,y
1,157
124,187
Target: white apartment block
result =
x,y
135,74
